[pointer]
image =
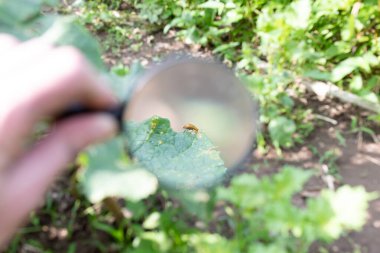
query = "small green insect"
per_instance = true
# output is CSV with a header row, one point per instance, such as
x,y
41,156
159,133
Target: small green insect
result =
x,y
191,127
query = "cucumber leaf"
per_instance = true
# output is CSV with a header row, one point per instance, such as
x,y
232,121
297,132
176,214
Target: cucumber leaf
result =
x,y
107,171
184,160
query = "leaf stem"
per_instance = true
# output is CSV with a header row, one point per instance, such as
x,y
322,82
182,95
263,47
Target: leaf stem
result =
x,y
113,206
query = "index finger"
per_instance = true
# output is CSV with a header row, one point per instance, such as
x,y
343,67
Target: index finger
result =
x,y
48,86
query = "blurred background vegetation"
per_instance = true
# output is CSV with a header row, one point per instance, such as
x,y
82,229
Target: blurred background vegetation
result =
x,y
274,45
287,52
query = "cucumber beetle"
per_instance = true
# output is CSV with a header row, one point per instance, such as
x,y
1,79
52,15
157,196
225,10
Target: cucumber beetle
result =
x,y
191,127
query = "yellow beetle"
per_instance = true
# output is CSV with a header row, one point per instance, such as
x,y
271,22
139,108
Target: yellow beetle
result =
x,y
191,127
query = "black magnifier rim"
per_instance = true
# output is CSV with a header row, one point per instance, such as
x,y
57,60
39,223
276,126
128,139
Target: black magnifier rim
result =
x,y
144,78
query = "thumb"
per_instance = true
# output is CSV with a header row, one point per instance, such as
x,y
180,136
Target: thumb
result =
x,y
24,184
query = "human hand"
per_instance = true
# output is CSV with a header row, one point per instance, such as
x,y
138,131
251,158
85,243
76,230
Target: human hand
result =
x,y
37,82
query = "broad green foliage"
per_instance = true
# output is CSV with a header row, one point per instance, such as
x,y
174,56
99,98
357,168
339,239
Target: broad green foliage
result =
x,y
277,225
329,40
179,161
346,198
210,243
281,130
185,160
65,31
25,20
107,171
261,218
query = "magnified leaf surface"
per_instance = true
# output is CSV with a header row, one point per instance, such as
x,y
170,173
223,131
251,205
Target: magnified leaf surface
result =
x,y
181,160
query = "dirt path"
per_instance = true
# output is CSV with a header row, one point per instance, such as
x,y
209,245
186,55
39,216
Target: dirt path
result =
x,y
361,166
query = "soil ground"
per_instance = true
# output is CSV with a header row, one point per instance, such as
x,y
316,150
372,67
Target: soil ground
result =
x,y
358,163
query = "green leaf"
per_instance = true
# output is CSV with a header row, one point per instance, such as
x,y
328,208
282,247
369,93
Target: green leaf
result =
x,y
225,47
239,192
212,5
356,83
144,246
343,69
347,66
286,100
210,243
354,199
279,187
340,138
122,86
138,209
197,202
13,11
370,96
160,242
318,75
371,59
107,172
120,70
289,181
152,221
271,248
232,16
299,13
116,233
373,82
23,19
184,160
65,31
348,31
281,130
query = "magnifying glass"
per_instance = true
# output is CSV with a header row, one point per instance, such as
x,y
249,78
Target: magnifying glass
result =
x,y
196,93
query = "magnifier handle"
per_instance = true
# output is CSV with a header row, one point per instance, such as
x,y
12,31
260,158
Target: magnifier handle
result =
x,y
76,110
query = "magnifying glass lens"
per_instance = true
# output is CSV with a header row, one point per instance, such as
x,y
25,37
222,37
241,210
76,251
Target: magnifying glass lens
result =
x,y
205,95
